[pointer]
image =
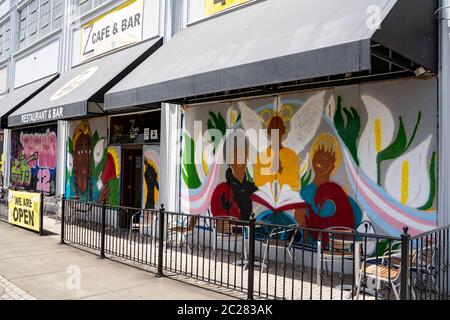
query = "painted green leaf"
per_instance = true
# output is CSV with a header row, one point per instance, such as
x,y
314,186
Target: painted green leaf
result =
x,y
433,179
249,176
398,147
189,172
239,118
306,178
114,192
70,146
413,136
393,151
95,138
348,128
216,122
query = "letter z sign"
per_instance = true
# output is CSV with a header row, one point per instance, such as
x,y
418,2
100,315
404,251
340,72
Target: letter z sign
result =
x,y
117,28
215,6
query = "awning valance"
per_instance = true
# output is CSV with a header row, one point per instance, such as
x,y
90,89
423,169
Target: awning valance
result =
x,y
19,96
80,91
272,42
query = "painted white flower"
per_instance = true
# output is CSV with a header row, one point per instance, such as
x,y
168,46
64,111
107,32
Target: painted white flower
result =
x,y
377,135
70,164
407,178
99,151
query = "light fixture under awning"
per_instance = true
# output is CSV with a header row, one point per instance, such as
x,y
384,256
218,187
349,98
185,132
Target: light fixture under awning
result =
x,y
19,96
80,91
272,42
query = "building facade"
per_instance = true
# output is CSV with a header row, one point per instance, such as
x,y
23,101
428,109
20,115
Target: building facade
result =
x,y
162,86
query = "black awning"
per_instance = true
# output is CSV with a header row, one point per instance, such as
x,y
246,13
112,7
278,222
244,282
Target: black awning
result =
x,y
271,42
10,102
74,93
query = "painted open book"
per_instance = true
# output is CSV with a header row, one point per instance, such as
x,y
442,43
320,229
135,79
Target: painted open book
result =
x,y
278,198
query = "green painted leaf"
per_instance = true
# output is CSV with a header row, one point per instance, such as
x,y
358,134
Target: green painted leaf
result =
x,y
394,150
419,117
306,178
189,172
432,195
70,146
348,128
249,176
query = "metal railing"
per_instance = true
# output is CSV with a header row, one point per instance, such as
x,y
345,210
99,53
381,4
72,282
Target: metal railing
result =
x,y
428,265
264,261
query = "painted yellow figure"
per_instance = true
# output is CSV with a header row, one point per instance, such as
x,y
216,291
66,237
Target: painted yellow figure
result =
x,y
282,166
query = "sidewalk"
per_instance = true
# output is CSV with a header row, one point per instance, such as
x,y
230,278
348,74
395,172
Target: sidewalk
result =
x,y
38,267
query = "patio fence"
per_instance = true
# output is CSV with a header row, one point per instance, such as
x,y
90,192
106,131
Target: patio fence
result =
x,y
256,260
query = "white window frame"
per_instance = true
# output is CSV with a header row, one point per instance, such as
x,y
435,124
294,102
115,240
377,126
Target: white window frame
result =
x,y
26,39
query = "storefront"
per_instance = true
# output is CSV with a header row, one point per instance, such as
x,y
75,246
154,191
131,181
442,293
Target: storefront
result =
x,y
19,169
115,159
41,133
354,107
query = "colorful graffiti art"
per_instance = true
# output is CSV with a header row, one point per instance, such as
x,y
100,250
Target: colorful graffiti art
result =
x,y
343,157
93,169
33,159
151,176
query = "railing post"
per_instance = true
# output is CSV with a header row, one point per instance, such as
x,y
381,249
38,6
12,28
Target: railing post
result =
x,y
251,258
404,272
161,225
41,216
63,219
103,234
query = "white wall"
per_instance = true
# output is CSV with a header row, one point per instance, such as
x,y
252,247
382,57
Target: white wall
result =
x,y
76,45
3,79
4,8
37,65
196,10
151,18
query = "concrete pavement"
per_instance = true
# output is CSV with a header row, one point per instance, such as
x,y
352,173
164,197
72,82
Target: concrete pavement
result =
x,y
38,267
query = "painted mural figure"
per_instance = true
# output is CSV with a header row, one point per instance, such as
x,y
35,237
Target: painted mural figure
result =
x,y
93,173
285,162
233,197
82,160
151,179
329,205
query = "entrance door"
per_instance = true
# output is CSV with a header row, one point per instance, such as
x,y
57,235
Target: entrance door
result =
x,y
131,183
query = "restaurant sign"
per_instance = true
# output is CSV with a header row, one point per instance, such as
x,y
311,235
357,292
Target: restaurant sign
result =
x,y
115,29
216,6
43,115
24,210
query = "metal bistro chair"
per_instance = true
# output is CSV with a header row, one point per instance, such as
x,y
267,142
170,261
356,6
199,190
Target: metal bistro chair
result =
x,y
53,204
83,212
422,265
186,227
382,270
135,225
340,246
223,230
288,232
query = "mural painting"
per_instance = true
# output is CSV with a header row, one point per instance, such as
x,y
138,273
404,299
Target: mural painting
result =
x,y
330,158
33,159
151,176
93,168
